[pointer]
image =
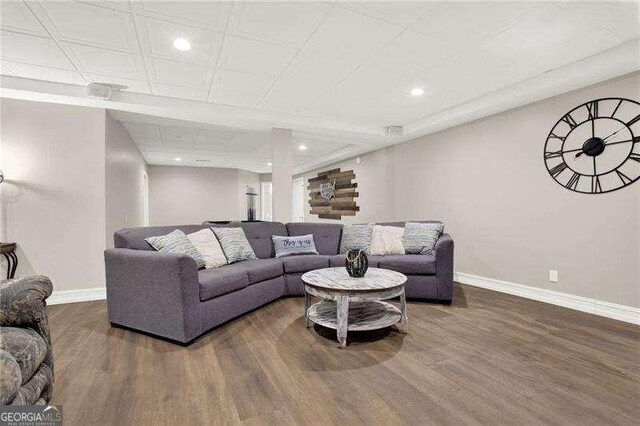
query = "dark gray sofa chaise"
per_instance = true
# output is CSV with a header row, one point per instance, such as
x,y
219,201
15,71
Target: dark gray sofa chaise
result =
x,y
166,295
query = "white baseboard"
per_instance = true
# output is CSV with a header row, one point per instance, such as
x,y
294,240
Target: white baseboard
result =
x,y
73,296
579,303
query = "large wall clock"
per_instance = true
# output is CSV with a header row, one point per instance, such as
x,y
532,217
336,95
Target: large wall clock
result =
x,y
595,147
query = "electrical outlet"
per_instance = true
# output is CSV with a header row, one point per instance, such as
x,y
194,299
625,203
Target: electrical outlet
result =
x,y
553,276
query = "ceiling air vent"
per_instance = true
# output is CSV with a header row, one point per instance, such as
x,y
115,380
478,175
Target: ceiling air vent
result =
x,y
394,130
103,90
202,160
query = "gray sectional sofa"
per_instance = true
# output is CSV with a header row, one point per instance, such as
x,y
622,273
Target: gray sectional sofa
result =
x,y
167,296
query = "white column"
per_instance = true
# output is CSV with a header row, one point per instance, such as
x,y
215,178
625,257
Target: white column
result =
x,y
281,173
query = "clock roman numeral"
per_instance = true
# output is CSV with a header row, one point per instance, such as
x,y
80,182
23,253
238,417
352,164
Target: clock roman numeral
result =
x,y
634,156
570,121
595,184
554,154
592,107
624,178
616,110
555,171
553,135
573,182
633,120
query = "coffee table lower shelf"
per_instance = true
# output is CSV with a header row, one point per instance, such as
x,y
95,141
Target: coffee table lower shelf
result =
x,y
370,315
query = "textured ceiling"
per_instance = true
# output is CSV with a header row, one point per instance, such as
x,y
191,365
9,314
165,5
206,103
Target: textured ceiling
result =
x,y
349,61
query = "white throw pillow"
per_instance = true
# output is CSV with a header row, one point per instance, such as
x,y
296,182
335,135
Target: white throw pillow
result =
x,y
386,240
209,247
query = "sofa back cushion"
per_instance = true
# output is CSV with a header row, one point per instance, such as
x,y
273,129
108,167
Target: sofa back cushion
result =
x,y
325,235
134,238
259,236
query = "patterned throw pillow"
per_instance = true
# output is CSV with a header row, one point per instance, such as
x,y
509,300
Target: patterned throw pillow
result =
x,y
421,238
386,240
209,247
176,242
234,243
288,246
356,237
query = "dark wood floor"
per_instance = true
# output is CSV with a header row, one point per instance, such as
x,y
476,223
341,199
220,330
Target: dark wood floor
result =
x,y
490,358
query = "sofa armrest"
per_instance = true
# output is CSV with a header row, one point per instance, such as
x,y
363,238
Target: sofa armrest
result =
x,y
158,293
23,304
22,301
444,267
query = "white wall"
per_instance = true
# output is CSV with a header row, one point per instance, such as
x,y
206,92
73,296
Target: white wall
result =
x,y
125,171
185,195
53,199
510,221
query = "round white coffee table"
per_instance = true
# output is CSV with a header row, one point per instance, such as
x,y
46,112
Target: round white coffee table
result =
x,y
354,303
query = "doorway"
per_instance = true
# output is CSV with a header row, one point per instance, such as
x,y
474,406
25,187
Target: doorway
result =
x,y
297,200
145,199
266,195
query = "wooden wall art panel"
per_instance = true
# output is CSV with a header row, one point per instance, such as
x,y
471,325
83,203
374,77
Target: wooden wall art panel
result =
x,y
332,194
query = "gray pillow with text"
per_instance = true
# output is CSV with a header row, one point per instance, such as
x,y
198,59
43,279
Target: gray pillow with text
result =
x,y
288,246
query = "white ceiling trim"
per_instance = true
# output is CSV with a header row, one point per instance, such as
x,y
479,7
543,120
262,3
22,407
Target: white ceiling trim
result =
x,y
612,63
184,109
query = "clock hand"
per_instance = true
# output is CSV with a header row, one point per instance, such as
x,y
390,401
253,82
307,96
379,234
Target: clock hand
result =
x,y
610,143
613,134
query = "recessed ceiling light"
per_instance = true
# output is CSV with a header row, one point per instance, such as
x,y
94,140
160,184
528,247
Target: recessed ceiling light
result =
x,y
177,159
182,44
269,164
417,91
302,147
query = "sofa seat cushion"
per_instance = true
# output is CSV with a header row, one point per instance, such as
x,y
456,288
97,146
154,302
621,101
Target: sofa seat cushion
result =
x,y
412,264
259,270
304,263
26,346
222,280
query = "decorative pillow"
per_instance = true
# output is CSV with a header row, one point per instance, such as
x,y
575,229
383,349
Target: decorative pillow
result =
x,y
356,237
234,243
176,242
207,244
386,240
421,238
288,246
